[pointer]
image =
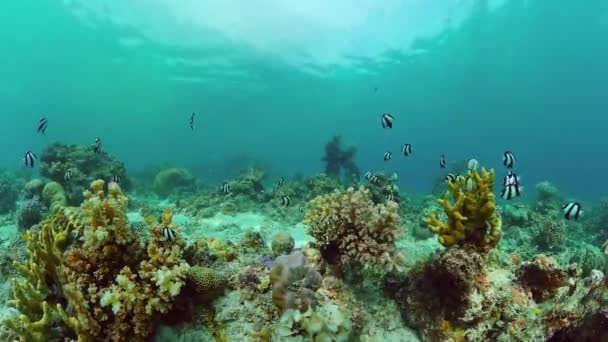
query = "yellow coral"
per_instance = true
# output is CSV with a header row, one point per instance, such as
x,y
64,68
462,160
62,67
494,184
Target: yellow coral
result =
x,y
206,283
472,217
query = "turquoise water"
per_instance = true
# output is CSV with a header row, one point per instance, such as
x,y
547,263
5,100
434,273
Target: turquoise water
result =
x,y
273,82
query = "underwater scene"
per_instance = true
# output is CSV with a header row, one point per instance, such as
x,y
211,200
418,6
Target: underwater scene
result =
x,y
267,170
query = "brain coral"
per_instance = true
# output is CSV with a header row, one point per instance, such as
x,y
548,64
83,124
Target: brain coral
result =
x,y
351,230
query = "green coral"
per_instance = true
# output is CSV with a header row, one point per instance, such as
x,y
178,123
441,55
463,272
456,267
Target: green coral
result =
x,y
471,217
326,323
173,180
282,243
53,196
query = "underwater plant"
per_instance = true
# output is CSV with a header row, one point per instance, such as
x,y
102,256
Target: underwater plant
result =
x,y
339,159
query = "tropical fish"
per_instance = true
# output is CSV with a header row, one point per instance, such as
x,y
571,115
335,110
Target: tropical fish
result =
x,y
285,201
511,179
169,234
42,124
572,210
406,149
30,159
191,122
97,148
442,162
390,197
510,191
450,178
368,175
68,175
394,177
387,156
508,159
387,120
225,188
281,181
115,179
374,179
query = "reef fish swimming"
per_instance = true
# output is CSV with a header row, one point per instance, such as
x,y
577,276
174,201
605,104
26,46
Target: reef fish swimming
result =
x,y
280,182
406,149
510,191
572,210
191,121
29,159
442,162
115,179
97,148
285,201
450,178
42,124
387,120
508,160
225,188
67,175
169,234
387,156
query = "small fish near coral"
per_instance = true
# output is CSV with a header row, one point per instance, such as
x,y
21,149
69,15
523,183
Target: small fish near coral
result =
x,y
508,160
442,162
280,182
572,210
285,201
29,159
67,175
97,147
225,188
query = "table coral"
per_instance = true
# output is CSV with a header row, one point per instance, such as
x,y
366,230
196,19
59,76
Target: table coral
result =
x,y
471,218
351,231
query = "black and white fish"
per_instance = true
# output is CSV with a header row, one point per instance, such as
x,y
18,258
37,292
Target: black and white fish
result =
x,y
387,156
406,149
29,159
508,160
511,179
301,209
225,188
191,122
169,234
280,182
510,191
67,175
394,177
369,175
450,178
469,184
572,210
442,162
374,180
285,201
42,124
390,197
115,179
97,148
387,120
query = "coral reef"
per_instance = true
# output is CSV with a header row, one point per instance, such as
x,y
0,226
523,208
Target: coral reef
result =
x,y
110,284
294,282
542,276
549,233
33,188
29,213
321,185
282,243
588,258
53,196
338,159
324,323
472,218
85,166
9,192
173,181
205,284
351,231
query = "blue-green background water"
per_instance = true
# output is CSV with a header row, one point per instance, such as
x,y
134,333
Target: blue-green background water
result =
x,y
274,81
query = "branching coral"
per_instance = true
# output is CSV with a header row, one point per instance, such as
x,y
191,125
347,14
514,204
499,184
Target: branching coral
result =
x,y
114,284
472,217
350,230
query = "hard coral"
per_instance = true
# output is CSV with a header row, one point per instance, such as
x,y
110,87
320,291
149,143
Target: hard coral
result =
x,y
85,166
351,231
294,282
9,192
173,181
472,218
109,285
542,276
282,243
205,284
29,213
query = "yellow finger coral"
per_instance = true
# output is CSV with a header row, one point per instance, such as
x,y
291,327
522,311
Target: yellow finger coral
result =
x,y
471,217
